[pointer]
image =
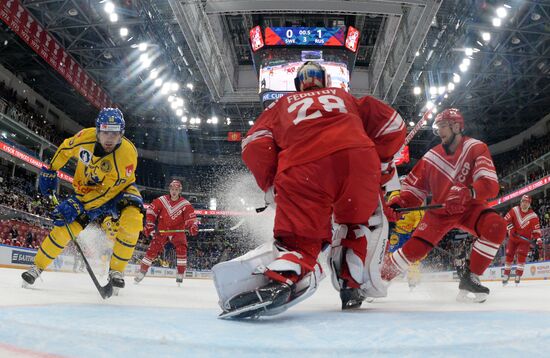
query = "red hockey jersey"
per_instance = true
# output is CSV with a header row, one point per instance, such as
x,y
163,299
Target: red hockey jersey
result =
x,y
171,215
305,126
523,224
471,164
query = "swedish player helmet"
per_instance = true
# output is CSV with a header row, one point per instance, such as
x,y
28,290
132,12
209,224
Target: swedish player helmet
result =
x,y
310,75
450,115
110,120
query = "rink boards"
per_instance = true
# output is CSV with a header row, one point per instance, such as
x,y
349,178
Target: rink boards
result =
x,y
19,257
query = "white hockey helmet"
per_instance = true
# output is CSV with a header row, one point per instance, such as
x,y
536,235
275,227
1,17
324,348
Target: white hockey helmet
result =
x,y
309,75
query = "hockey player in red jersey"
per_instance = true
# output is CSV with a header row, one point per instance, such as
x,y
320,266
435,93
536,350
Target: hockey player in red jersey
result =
x,y
523,231
460,174
167,217
315,153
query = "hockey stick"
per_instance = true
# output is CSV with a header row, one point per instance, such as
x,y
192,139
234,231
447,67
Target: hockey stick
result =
x,y
104,291
426,207
259,210
531,243
185,231
420,123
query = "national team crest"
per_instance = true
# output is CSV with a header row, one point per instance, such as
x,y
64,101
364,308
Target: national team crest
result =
x,y
105,166
85,156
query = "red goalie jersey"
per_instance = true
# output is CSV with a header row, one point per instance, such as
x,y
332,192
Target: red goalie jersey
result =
x,y
303,127
471,164
171,215
525,225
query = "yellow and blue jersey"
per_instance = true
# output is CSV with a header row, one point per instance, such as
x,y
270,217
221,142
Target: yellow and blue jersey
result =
x,y
99,176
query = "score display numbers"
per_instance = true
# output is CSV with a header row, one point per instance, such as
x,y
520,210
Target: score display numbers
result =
x,y
305,36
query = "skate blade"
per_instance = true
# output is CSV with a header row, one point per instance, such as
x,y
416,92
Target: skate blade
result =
x,y
26,285
352,306
478,297
238,311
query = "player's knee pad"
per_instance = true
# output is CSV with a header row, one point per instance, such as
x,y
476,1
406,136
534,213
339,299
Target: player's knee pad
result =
x,y
414,250
54,244
491,227
131,221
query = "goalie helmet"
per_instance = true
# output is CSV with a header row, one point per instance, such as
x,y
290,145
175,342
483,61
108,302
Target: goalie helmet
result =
x,y
309,75
450,115
110,120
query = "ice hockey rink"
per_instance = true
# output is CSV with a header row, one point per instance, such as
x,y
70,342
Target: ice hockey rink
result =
x,y
64,316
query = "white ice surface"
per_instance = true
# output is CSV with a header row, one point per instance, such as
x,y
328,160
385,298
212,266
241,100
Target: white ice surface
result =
x,y
65,316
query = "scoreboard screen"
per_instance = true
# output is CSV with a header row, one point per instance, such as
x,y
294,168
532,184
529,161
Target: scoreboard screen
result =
x,y
278,68
305,36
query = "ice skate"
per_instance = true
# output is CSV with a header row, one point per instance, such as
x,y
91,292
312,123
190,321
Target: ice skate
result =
x,y
505,280
116,282
469,283
179,279
30,276
518,278
255,303
352,298
139,277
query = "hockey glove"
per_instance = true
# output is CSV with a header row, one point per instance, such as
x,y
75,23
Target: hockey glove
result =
x,y
397,202
148,229
193,229
47,181
67,211
390,213
459,196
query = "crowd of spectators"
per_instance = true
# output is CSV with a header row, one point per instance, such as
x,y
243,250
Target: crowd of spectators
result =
x,y
19,194
508,162
19,110
531,149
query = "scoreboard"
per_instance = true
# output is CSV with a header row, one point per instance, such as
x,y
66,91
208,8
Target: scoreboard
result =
x,y
279,51
305,36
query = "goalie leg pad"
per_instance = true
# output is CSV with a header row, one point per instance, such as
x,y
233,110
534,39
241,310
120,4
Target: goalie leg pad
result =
x,y
348,256
374,285
258,269
363,263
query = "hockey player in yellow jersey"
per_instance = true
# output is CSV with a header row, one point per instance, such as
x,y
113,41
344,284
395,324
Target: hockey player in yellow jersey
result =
x,y
402,232
104,186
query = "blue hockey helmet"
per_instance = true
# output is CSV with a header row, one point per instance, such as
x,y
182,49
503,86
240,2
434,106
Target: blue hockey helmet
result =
x,y
309,75
110,120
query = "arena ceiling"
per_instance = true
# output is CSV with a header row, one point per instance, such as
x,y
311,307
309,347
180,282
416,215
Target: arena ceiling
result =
x,y
404,44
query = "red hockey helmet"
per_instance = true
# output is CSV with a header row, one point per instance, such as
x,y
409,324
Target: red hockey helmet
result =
x,y
526,198
175,184
451,115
